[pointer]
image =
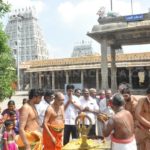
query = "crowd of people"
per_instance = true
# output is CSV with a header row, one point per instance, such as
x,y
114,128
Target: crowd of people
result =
x,y
47,119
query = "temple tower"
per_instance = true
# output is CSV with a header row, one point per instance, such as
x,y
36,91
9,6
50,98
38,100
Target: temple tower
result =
x,y
83,48
25,36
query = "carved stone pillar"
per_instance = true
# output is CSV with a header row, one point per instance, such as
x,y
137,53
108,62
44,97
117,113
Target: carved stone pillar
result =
x,y
130,77
48,80
113,68
30,80
104,64
40,83
67,77
97,79
82,78
53,80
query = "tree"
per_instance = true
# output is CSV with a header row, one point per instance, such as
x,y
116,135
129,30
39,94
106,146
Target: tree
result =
x,y
7,62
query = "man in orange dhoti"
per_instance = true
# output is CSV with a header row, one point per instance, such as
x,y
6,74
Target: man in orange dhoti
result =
x,y
54,124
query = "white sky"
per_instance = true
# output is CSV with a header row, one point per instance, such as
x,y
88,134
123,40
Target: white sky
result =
x,y
66,22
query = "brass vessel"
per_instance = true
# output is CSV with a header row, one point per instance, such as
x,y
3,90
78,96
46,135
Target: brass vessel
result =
x,y
83,143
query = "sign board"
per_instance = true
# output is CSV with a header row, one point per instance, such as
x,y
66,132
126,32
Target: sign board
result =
x,y
133,18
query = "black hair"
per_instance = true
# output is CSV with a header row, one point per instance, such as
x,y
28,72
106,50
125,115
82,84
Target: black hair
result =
x,y
48,93
77,90
12,113
123,85
70,86
8,123
24,100
35,93
118,100
11,102
148,90
125,91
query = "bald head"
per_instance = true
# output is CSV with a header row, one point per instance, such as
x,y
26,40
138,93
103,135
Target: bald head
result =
x,y
59,98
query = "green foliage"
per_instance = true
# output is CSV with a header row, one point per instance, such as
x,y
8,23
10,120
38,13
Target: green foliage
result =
x,y
4,8
7,63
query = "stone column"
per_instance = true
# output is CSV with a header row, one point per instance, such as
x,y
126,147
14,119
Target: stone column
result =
x,y
40,82
82,78
21,80
97,79
104,64
130,76
36,79
67,77
113,69
53,80
48,80
30,80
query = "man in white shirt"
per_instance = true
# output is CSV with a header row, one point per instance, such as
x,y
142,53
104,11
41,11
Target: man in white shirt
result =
x,y
77,92
90,107
72,108
42,106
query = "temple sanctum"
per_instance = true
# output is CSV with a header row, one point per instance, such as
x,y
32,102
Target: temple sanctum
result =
x,y
100,72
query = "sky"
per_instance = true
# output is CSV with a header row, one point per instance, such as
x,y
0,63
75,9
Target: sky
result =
x,y
65,23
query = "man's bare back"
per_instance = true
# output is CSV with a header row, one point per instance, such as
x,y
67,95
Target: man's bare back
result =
x,y
123,125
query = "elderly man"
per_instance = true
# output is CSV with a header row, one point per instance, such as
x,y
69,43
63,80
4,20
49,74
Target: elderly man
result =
x,y
93,93
121,126
28,121
142,114
54,124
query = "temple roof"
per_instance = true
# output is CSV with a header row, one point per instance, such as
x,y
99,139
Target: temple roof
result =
x,y
92,59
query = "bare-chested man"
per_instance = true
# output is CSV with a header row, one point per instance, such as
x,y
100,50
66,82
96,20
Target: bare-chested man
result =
x,y
54,124
130,101
28,120
122,126
143,127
